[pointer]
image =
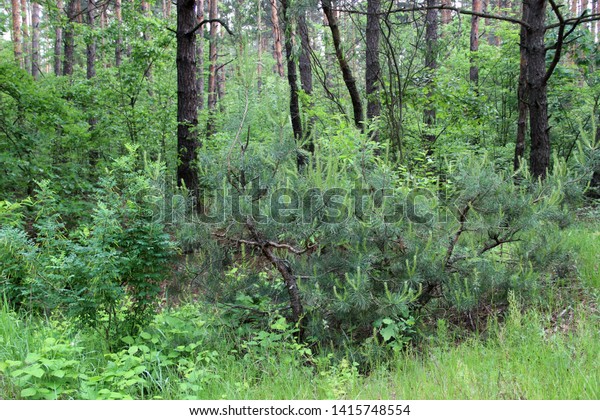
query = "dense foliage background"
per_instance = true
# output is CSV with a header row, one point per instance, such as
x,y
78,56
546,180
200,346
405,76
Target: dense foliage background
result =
x,y
298,199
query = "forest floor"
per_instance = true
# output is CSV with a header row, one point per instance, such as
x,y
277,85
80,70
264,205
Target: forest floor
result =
x,y
550,352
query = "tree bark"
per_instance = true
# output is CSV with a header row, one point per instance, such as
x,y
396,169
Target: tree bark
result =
x,y
58,41
290,280
277,50
537,95
474,43
349,80
522,97
26,40
221,79
373,68
200,54
306,82
291,72
213,13
259,46
304,63
166,9
187,98
431,47
91,45
446,14
145,7
69,39
16,32
119,44
35,40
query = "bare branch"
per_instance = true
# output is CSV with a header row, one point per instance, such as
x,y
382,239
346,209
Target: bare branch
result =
x,y
204,22
443,7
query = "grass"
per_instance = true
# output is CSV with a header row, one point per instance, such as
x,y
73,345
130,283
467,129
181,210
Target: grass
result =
x,y
548,353
586,241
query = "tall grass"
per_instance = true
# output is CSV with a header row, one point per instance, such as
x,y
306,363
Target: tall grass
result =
x,y
531,354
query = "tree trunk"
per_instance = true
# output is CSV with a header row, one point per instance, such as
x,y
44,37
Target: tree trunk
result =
x,y
119,45
58,41
166,9
221,79
597,23
16,32
474,44
291,72
290,280
346,71
91,45
372,68
594,191
306,81
446,14
69,39
522,97
200,54
35,40
277,50
537,95
431,47
187,98
213,12
304,63
26,40
259,46
145,7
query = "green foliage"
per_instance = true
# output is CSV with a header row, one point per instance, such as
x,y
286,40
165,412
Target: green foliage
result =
x,y
108,273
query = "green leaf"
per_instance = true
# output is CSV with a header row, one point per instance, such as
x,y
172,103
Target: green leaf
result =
x,y
28,392
59,373
32,358
38,372
127,340
388,332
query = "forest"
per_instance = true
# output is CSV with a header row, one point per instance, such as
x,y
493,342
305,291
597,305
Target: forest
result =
x,y
299,199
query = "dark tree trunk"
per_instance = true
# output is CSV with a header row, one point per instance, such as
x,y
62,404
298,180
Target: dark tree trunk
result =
x,y
212,69
304,63
91,45
474,44
119,46
431,50
373,68
187,99
58,41
522,97
306,81
291,72
91,73
69,39
200,54
345,68
290,280
35,40
537,95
